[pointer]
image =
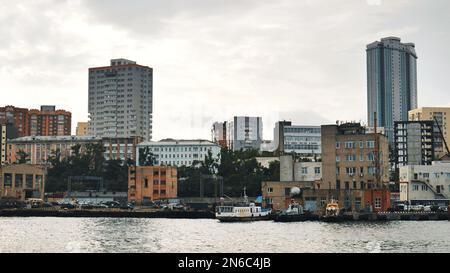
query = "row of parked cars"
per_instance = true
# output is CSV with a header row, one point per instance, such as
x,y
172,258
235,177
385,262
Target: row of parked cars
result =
x,y
421,208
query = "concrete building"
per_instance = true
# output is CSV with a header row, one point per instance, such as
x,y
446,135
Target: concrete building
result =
x,y
18,117
442,116
391,82
352,158
244,133
150,183
3,146
50,122
277,195
424,184
307,172
121,148
414,143
40,148
219,133
303,141
121,100
265,161
82,128
22,181
179,152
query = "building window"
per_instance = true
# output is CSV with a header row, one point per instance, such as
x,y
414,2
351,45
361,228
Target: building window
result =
x,y
304,170
29,181
347,203
354,185
362,185
317,170
338,184
338,145
361,144
18,180
287,191
145,182
323,201
270,190
338,170
338,158
8,180
347,185
378,203
415,187
357,203
371,144
424,188
349,145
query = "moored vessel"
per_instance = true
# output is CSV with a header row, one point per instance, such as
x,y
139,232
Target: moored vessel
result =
x,y
243,212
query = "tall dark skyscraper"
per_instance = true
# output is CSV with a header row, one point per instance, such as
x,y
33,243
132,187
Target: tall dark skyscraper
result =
x,y
391,82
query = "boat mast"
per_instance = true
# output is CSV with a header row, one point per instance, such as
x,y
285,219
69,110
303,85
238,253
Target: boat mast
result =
x,y
245,196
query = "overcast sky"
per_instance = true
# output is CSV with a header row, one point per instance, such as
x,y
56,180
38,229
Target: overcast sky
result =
x,y
301,60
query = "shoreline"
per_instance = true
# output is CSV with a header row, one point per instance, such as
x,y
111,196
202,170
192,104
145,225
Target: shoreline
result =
x,y
174,214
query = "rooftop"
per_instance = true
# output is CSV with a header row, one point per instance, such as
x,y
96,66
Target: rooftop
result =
x,y
170,141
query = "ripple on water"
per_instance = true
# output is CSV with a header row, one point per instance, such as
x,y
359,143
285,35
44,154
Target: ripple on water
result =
x,y
205,235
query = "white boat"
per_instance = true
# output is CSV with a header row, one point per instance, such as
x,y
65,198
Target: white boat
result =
x,y
242,213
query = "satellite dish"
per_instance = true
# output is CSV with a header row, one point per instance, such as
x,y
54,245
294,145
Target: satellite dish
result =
x,y
295,191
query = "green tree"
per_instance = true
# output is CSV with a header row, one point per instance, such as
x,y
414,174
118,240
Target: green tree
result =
x,y
146,158
22,157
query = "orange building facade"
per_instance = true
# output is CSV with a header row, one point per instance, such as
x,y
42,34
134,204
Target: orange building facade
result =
x,y
44,122
19,117
150,183
50,122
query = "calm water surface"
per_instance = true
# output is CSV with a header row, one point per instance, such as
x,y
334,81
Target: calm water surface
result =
x,y
206,235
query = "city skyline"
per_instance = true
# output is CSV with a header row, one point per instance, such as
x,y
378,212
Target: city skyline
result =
x,y
252,58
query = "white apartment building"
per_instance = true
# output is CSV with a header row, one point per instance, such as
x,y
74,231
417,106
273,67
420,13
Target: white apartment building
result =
x,y
244,133
120,100
421,184
179,152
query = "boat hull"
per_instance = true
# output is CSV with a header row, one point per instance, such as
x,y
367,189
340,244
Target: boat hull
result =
x,y
244,219
295,218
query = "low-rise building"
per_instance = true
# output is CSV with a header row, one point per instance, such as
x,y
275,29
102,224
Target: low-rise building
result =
x,y
121,148
171,152
150,183
277,195
40,148
422,184
22,181
265,161
291,170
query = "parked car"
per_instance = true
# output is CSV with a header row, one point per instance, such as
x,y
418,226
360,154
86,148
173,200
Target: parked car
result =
x,y
67,206
443,209
127,206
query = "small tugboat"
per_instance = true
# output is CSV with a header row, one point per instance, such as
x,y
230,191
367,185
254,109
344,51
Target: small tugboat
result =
x,y
332,212
242,213
294,213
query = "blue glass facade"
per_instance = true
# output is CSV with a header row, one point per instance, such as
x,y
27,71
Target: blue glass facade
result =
x,y
391,82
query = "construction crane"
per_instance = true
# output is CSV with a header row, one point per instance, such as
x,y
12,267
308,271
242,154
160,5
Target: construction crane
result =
x,y
442,135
